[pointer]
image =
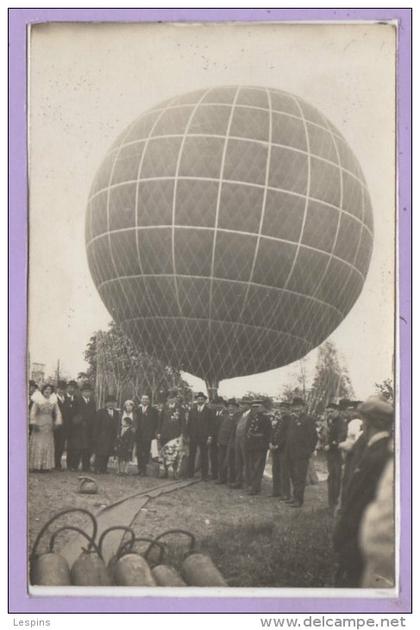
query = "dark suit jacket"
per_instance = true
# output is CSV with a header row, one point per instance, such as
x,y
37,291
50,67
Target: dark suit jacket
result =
x,y
105,431
201,424
360,492
336,433
146,424
279,432
81,418
301,437
259,432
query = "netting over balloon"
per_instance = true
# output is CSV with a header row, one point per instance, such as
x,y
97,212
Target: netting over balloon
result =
x,y
229,230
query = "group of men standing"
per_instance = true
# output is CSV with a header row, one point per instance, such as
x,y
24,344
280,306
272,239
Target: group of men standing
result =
x,y
233,439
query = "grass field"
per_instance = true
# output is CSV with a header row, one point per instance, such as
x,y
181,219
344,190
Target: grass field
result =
x,y
254,540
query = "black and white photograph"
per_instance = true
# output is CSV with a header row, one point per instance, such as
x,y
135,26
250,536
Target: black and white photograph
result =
x,y
212,304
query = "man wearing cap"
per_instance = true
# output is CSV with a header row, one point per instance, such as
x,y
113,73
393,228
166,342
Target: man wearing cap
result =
x,y
257,441
199,431
336,432
239,441
377,415
146,424
104,433
280,471
79,440
300,444
226,464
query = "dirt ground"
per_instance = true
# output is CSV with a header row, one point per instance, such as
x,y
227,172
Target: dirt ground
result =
x,y
254,540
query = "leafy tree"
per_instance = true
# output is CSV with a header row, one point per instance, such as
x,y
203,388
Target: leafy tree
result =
x,y
115,365
386,389
331,380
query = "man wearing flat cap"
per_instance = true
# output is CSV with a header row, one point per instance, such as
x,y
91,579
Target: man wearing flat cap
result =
x,y
280,471
200,431
300,444
336,433
104,433
377,415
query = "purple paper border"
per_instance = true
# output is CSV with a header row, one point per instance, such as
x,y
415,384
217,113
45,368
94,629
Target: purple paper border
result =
x,y
19,600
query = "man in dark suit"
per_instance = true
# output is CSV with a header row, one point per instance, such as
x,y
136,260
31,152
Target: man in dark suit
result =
x,y
257,441
69,409
377,415
280,471
199,431
300,444
59,430
225,433
336,433
146,429
219,412
79,440
104,433
239,441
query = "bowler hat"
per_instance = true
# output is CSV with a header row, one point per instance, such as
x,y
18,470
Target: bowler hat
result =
x,y
172,393
246,400
32,383
110,398
344,403
232,401
377,410
331,405
85,387
201,395
61,384
73,384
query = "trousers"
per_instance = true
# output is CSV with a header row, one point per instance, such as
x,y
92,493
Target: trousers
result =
x,y
101,463
256,465
143,454
59,444
202,447
241,463
298,469
280,471
77,456
334,466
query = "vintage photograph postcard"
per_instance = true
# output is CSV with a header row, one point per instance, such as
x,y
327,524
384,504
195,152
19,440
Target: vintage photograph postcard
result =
x,y
213,405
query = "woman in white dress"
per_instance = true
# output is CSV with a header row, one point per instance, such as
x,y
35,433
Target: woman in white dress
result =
x,y
44,417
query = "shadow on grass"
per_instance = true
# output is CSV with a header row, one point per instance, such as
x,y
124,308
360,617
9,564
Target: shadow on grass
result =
x,y
296,554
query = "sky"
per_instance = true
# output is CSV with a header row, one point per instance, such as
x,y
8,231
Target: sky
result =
x,y
87,82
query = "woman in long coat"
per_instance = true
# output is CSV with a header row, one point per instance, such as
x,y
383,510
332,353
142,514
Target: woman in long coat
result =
x,y
44,416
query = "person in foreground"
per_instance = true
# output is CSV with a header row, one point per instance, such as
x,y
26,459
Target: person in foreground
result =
x,y
377,415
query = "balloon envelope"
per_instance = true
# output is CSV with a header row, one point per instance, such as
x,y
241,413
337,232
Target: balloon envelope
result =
x,y
229,230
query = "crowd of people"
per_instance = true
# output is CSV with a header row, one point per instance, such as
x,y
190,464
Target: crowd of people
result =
x,y
228,442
